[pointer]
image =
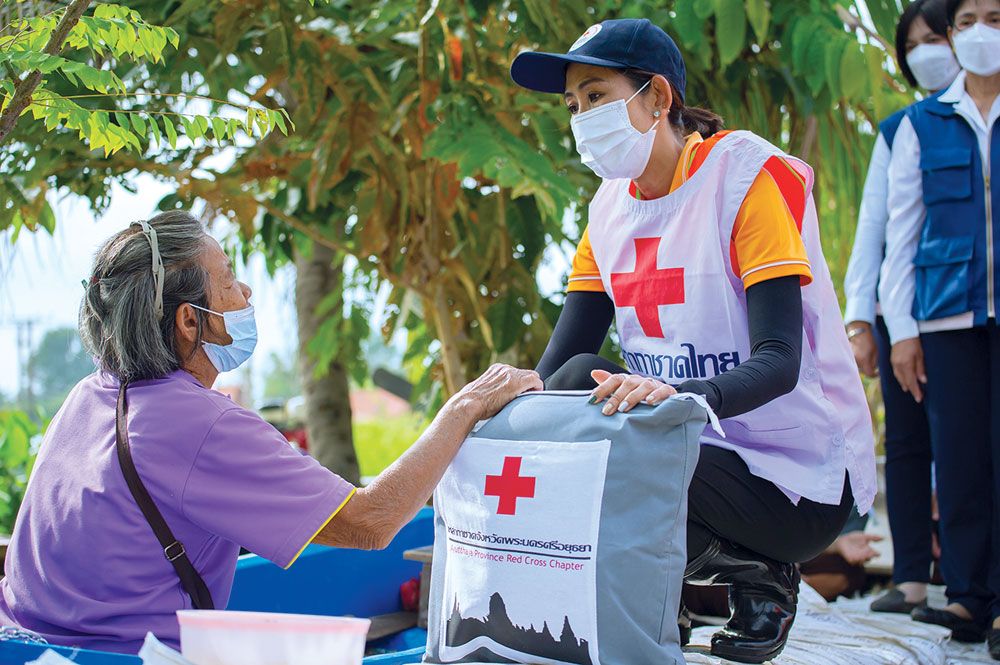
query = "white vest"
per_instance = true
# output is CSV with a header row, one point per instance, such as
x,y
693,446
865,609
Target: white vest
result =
x,y
681,313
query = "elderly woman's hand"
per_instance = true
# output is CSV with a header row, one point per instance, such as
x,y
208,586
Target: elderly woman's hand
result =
x,y
624,391
496,388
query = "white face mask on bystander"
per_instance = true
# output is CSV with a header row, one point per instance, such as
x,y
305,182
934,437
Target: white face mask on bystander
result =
x,y
933,65
608,143
978,49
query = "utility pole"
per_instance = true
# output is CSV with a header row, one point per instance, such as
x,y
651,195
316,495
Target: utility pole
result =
x,y
25,346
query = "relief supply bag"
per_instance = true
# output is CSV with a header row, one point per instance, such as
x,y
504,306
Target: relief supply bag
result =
x,y
560,534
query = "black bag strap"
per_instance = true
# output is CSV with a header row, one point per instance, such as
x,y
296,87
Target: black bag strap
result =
x,y
201,597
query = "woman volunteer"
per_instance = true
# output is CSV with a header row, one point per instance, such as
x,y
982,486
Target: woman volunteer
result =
x,y
704,246
148,482
939,297
926,61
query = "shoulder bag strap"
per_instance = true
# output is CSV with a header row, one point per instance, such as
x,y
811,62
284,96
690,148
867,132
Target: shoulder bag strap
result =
x,y
194,585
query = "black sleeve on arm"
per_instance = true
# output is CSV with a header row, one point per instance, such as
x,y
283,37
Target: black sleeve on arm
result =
x,y
582,326
774,312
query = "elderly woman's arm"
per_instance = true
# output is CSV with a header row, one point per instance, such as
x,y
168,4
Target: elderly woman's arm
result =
x,y
376,513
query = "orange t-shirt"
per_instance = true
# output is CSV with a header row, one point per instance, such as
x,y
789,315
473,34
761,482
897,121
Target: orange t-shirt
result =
x,y
766,241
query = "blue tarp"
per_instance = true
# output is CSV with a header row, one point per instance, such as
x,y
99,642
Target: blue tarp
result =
x,y
323,581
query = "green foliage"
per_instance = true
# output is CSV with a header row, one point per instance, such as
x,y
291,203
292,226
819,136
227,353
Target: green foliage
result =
x,y
96,91
417,156
56,365
113,32
282,380
380,442
19,439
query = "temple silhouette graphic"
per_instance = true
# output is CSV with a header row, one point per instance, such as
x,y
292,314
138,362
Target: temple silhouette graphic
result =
x,y
497,626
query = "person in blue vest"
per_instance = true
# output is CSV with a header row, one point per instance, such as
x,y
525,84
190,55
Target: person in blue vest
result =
x,y
927,62
939,297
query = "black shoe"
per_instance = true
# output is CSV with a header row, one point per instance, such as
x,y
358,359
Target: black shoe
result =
x,y
993,640
684,625
895,601
962,630
763,594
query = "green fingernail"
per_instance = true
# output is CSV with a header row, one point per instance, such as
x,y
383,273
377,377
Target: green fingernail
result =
x,y
593,400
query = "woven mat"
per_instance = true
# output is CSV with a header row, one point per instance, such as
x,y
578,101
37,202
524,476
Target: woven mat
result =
x,y
848,633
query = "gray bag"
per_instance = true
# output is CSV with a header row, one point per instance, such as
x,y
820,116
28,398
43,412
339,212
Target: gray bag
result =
x,y
560,534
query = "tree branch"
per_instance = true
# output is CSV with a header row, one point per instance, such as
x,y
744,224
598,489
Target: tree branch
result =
x,y
26,86
305,229
854,23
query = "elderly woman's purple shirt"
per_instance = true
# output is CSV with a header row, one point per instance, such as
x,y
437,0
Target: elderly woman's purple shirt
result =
x,y
84,567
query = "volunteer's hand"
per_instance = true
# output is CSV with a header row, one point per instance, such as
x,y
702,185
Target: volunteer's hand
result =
x,y
908,366
855,547
624,391
865,350
496,388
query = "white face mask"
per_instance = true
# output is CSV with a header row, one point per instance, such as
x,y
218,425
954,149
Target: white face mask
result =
x,y
978,49
933,65
608,143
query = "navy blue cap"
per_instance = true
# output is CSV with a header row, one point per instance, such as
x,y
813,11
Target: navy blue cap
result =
x,y
620,44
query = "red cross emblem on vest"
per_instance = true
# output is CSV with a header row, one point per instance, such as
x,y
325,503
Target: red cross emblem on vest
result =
x,y
510,486
647,287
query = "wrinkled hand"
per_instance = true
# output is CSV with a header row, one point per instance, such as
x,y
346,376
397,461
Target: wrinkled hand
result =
x,y
624,392
908,366
864,348
496,388
855,548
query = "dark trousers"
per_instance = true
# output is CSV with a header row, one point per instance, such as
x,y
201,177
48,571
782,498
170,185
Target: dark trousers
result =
x,y
727,501
907,471
963,409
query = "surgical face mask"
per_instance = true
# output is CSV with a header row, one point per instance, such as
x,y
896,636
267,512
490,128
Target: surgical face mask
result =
x,y
608,143
933,65
242,327
978,49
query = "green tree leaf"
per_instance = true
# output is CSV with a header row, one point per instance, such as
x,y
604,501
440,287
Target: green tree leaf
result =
x,y
853,72
730,29
219,129
759,15
138,123
171,132
833,55
703,9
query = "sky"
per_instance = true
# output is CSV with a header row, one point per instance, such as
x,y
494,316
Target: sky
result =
x,y
40,279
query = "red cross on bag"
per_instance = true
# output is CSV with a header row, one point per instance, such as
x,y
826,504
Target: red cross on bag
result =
x,y
510,486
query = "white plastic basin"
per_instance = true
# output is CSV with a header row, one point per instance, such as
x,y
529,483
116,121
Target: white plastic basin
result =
x,y
214,637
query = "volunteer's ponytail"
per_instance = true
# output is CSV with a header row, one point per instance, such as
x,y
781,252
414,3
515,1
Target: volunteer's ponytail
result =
x,y
686,118
694,119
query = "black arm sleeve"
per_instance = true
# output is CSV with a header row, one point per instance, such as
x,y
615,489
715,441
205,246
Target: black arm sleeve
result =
x,y
582,326
774,312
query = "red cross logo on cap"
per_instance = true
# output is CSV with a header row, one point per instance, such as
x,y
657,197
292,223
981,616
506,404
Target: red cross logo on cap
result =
x,y
648,287
586,36
510,486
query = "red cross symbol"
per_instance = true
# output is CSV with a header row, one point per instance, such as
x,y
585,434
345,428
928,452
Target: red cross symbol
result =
x,y
648,287
510,486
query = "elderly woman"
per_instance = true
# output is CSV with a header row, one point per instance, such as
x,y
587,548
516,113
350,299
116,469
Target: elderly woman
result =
x,y
148,482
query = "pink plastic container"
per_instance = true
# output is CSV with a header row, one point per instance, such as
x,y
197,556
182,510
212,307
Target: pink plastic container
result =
x,y
214,637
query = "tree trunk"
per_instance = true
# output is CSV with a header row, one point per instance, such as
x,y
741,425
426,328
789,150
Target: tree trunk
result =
x,y
451,361
328,407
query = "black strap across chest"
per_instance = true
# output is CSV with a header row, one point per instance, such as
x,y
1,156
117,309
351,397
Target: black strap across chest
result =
x,y
173,550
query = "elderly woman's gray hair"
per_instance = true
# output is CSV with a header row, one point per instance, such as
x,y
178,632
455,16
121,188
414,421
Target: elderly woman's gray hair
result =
x,y
119,322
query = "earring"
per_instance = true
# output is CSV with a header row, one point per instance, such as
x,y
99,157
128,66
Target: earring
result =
x,y
656,113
